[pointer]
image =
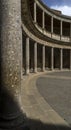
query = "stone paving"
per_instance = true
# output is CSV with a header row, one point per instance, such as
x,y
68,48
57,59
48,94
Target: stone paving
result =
x,y
38,111
56,90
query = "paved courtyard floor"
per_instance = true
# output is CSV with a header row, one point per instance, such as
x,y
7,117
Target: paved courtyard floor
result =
x,y
56,89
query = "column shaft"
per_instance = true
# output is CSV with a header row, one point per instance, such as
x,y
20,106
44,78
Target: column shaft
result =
x,y
52,58
27,55
35,57
11,62
61,58
43,58
51,26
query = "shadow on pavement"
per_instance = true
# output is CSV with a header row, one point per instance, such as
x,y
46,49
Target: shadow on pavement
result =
x,y
38,125
8,106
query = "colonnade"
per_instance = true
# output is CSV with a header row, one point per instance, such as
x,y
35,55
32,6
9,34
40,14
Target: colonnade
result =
x,y
43,53
11,105
61,21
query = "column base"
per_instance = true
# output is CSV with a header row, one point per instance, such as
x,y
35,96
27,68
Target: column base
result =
x,y
27,72
14,124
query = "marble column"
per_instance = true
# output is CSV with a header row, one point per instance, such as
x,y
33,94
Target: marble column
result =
x,y
10,64
43,58
51,26
52,58
35,57
61,59
43,20
35,12
27,55
70,59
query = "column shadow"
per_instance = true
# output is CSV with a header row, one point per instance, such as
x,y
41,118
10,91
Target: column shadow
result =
x,y
22,122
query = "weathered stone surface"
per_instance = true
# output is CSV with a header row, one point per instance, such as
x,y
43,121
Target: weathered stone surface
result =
x,y
10,58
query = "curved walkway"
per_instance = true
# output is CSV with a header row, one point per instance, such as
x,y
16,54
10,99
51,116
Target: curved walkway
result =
x,y
56,90
34,104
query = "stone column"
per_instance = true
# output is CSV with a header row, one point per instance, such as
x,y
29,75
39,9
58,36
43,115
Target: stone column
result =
x,y
35,57
35,12
70,59
52,58
10,64
61,59
43,20
51,26
61,30
27,55
43,58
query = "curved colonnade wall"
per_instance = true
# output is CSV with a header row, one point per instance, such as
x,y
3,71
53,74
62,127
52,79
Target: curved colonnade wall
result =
x,y
46,38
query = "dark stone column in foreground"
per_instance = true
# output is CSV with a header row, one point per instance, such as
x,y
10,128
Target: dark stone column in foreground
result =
x,y
10,67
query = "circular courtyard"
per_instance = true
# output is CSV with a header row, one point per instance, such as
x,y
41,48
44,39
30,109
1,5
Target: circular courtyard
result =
x,y
56,90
